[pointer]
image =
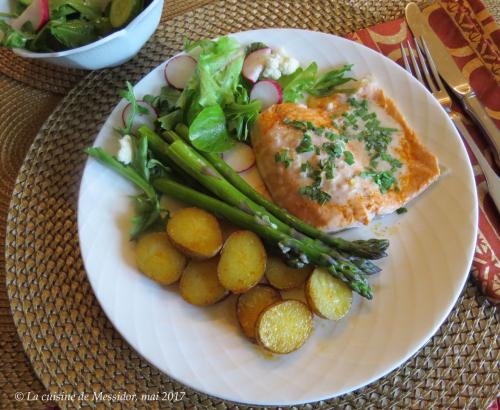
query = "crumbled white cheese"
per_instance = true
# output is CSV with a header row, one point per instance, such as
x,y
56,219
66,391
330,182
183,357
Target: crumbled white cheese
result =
x,y
279,63
289,65
125,152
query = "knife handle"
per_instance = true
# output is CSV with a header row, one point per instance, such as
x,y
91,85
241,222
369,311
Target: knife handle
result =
x,y
474,108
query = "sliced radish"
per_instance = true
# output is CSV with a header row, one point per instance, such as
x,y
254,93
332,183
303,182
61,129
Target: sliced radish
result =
x,y
268,92
254,64
179,70
37,13
141,119
253,178
240,157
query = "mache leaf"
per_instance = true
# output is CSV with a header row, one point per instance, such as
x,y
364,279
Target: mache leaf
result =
x,y
208,130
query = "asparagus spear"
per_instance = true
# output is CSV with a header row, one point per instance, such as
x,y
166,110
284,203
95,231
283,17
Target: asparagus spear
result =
x,y
304,250
370,249
307,251
124,170
186,158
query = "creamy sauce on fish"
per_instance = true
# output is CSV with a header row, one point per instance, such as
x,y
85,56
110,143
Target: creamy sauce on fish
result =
x,y
343,160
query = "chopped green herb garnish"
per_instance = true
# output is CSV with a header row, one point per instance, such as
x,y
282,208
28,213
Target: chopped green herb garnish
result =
x,y
348,157
385,179
328,168
333,149
300,125
305,145
283,157
401,210
306,167
317,149
374,162
393,162
315,193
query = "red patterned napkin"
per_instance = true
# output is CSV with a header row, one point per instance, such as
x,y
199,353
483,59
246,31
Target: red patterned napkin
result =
x,y
473,39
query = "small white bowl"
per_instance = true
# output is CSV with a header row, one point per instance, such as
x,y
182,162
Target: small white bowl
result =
x,y
110,51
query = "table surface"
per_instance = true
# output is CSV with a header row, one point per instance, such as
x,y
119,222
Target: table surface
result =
x,y
18,127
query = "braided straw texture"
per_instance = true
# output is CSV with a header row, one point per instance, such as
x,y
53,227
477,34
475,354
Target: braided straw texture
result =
x,y
72,346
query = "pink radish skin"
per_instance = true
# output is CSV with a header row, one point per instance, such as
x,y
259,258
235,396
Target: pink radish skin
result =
x,y
37,13
268,92
240,157
140,119
254,64
179,70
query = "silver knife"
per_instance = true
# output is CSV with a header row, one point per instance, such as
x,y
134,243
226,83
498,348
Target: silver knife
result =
x,y
450,73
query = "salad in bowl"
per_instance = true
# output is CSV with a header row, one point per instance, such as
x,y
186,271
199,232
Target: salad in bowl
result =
x,y
79,34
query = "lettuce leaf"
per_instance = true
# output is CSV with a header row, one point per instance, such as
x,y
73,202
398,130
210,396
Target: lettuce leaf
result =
x,y
299,82
212,88
208,131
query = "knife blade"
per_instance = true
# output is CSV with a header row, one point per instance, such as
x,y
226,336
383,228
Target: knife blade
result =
x,y
452,75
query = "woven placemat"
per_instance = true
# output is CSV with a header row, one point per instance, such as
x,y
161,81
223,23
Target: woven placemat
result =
x,y
69,341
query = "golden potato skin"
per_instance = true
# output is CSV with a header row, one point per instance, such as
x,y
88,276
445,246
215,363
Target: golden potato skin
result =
x,y
284,326
158,259
199,283
327,296
195,232
284,277
250,304
243,261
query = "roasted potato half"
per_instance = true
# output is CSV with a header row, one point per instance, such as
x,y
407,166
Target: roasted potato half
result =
x,y
327,296
251,304
199,283
157,258
195,232
284,277
242,262
284,326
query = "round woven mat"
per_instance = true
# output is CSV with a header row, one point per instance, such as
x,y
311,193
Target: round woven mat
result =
x,y
73,347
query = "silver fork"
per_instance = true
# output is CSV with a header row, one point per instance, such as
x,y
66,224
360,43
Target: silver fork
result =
x,y
435,85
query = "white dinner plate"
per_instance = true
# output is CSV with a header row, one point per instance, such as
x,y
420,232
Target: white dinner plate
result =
x,y
429,258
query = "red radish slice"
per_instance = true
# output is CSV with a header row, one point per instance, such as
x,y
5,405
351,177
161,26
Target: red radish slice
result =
x,y
140,119
179,70
253,178
268,92
37,13
240,157
254,64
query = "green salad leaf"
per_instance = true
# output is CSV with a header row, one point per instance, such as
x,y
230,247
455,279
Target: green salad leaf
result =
x,y
12,38
208,131
135,108
299,82
88,10
165,102
327,82
73,33
214,102
241,114
72,23
303,81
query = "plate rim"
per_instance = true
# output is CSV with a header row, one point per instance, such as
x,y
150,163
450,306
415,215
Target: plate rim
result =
x,y
423,341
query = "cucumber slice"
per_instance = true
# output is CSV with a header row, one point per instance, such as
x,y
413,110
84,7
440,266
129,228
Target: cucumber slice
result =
x,y
122,11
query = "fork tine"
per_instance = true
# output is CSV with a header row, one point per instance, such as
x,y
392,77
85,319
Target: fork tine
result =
x,y
423,63
405,58
415,64
432,64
